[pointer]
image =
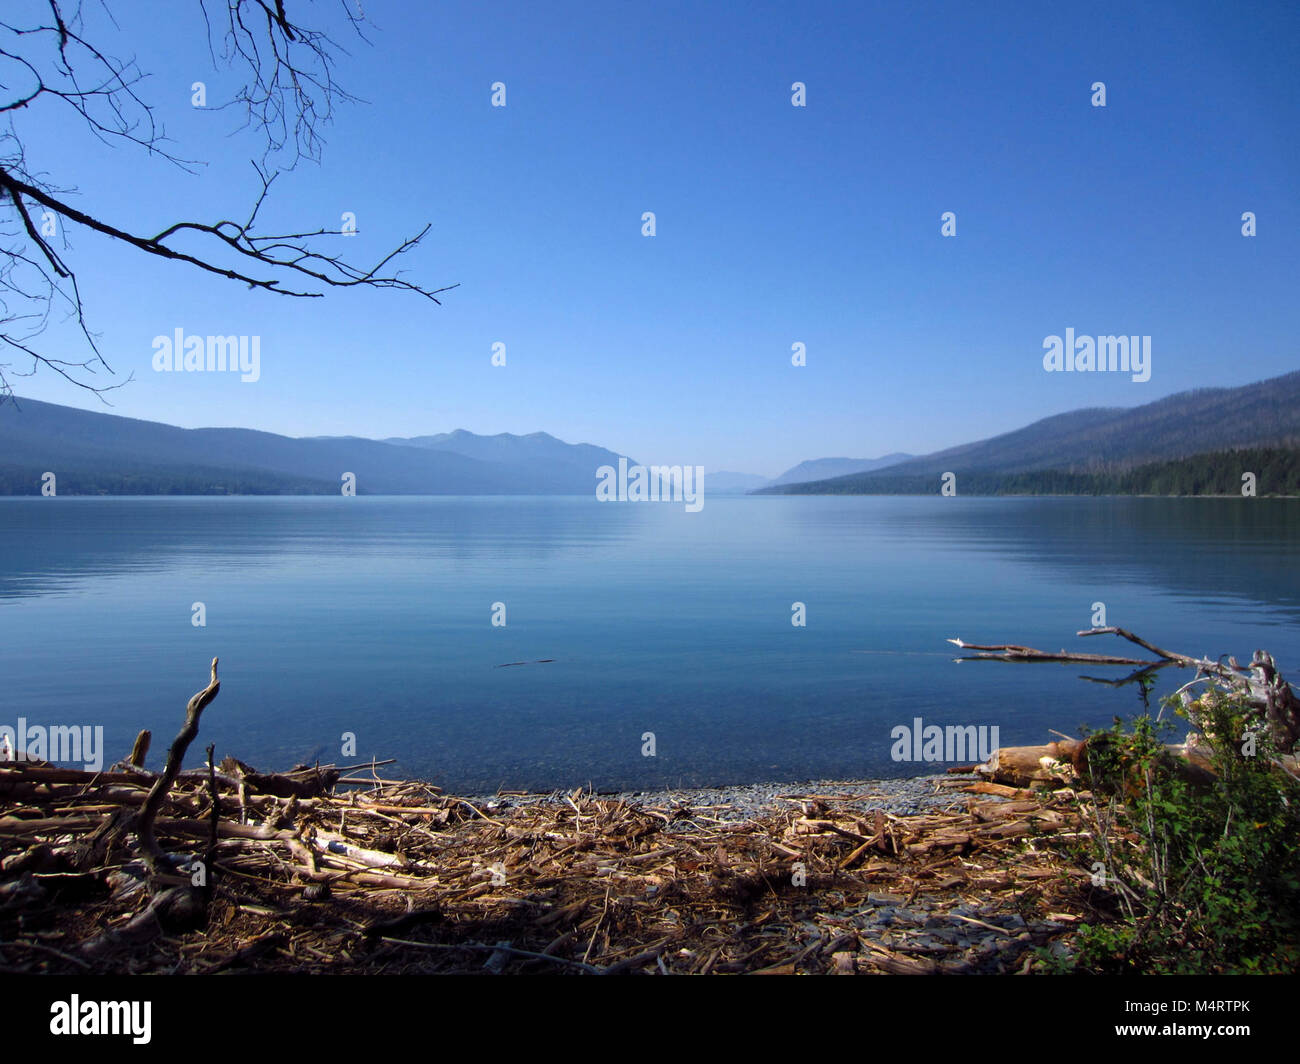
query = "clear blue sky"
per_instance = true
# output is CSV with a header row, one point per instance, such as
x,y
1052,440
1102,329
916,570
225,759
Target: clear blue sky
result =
x,y
776,224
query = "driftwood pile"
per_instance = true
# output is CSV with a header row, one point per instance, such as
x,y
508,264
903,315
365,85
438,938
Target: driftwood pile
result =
x,y
395,877
318,870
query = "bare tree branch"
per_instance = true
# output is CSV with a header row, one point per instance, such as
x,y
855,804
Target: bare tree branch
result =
x,y
289,94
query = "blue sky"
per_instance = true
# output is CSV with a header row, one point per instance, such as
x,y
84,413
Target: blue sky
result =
x,y
775,224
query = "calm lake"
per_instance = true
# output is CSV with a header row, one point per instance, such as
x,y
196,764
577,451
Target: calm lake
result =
x,y
373,615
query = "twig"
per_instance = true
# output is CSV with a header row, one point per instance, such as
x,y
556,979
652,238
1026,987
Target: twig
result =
x,y
216,818
21,943
588,968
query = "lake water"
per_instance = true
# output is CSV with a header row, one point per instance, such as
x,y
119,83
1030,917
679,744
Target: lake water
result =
x,y
373,615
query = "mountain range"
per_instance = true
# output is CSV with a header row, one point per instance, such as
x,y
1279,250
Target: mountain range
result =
x,y
1104,440
116,455
95,453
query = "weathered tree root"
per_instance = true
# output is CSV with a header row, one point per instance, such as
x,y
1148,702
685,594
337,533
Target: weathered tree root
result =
x,y
173,910
149,847
173,907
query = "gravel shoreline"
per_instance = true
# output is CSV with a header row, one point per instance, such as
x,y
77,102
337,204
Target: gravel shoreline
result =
x,y
751,801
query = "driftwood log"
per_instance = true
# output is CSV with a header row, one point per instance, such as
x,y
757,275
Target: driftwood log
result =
x,y
1021,766
1067,761
301,781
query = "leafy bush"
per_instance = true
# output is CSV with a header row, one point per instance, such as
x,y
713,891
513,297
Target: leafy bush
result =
x,y
1197,866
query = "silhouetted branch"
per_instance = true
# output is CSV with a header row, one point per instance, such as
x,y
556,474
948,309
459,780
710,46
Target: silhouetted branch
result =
x,y
289,92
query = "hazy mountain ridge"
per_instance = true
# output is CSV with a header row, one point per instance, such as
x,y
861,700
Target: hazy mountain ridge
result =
x,y
1100,440
539,456
101,453
105,449
113,454
826,468
727,482
1179,425
1276,472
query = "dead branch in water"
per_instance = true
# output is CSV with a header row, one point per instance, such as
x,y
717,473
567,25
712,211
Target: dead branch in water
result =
x,y
1014,652
1178,659
1269,698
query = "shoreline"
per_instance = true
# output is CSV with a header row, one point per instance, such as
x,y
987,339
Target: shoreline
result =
x,y
916,875
738,803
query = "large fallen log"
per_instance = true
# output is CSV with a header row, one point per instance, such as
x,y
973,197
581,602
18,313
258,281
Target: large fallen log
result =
x,y
1022,766
1068,761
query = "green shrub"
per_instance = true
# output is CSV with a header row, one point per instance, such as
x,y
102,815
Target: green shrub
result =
x,y
1195,871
